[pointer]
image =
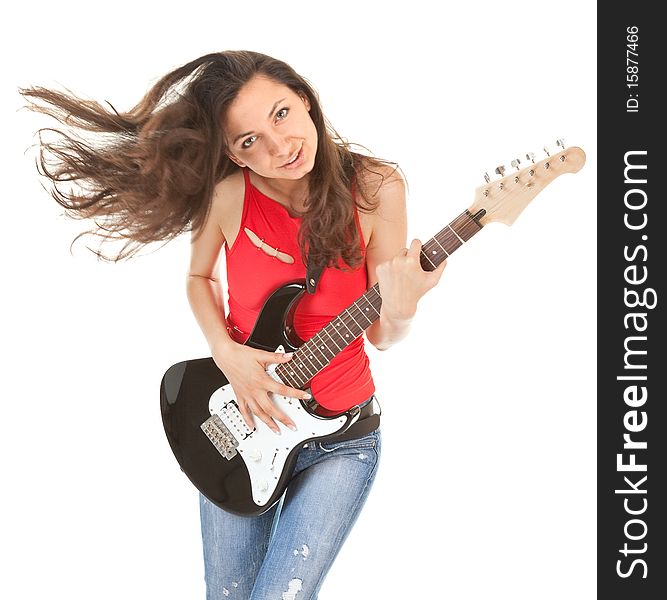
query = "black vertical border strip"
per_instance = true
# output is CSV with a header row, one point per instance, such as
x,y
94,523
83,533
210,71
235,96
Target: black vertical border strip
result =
x,y
632,556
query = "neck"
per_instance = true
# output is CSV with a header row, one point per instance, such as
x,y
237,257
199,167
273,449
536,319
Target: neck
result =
x,y
286,191
320,349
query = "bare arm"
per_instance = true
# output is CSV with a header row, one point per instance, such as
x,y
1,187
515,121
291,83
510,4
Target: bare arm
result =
x,y
395,268
244,366
204,290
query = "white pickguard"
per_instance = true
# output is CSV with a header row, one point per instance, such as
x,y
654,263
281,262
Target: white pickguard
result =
x,y
263,451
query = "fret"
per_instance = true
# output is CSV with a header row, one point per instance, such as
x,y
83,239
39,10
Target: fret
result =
x,y
376,302
456,234
434,256
465,226
355,321
288,369
324,330
316,353
309,359
285,376
321,345
449,239
317,350
452,237
428,259
340,321
301,364
363,313
439,244
314,356
445,240
331,330
297,364
307,348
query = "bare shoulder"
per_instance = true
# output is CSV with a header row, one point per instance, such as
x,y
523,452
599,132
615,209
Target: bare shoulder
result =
x,y
383,186
228,194
376,175
220,226
384,220
227,205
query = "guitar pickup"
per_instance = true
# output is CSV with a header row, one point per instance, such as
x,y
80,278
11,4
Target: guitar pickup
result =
x,y
217,432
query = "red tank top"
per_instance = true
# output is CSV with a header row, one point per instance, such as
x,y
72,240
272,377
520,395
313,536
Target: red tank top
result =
x,y
253,275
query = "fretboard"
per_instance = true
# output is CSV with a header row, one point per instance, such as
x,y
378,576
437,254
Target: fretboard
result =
x,y
340,332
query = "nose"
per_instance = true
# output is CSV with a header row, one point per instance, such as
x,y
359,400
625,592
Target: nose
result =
x,y
279,145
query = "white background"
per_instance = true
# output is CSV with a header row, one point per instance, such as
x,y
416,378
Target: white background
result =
x,y
487,483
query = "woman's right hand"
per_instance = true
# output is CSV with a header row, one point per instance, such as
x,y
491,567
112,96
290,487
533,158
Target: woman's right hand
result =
x,y
245,369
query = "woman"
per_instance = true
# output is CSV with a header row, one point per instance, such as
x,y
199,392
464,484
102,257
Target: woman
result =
x,y
234,147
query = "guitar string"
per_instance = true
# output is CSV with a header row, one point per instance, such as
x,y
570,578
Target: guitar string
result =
x,y
453,236
317,340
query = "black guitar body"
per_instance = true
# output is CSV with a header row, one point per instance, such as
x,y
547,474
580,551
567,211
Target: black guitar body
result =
x,y
184,393
245,470
185,390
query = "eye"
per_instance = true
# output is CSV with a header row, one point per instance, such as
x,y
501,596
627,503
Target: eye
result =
x,y
282,113
249,142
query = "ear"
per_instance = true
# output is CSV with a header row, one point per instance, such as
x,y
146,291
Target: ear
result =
x,y
235,160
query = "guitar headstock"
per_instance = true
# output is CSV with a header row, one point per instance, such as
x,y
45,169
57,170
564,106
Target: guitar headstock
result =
x,y
504,199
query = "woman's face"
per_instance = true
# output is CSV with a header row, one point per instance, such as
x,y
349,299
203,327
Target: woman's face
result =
x,y
269,130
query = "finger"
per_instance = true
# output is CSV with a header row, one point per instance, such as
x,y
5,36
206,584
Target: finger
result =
x,y
415,248
263,415
246,414
437,272
275,357
273,411
290,392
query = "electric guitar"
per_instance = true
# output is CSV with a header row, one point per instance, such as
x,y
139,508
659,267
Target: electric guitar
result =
x,y
245,471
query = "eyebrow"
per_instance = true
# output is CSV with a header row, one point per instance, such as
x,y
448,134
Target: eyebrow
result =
x,y
273,109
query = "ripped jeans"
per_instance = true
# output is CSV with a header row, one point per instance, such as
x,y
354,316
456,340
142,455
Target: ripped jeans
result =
x,y
286,552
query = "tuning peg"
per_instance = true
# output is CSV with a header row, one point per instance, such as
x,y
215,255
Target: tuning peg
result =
x,y
500,169
546,150
560,142
531,156
515,163
487,178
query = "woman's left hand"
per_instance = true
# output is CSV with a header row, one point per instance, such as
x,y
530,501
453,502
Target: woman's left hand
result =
x,y
403,282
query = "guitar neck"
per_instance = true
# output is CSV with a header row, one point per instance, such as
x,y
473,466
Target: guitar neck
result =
x,y
340,332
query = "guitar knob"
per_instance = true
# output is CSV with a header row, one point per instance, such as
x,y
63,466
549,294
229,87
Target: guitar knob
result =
x,y
263,485
500,169
255,454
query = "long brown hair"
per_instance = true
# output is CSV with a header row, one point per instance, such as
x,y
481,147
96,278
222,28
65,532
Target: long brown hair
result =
x,y
148,174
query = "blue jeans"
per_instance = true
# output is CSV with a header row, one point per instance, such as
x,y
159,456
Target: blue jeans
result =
x,y
286,552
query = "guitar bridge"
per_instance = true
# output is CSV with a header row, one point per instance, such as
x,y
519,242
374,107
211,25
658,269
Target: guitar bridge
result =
x,y
220,436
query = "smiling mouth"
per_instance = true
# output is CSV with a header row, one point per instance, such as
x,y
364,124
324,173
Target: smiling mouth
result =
x,y
294,158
